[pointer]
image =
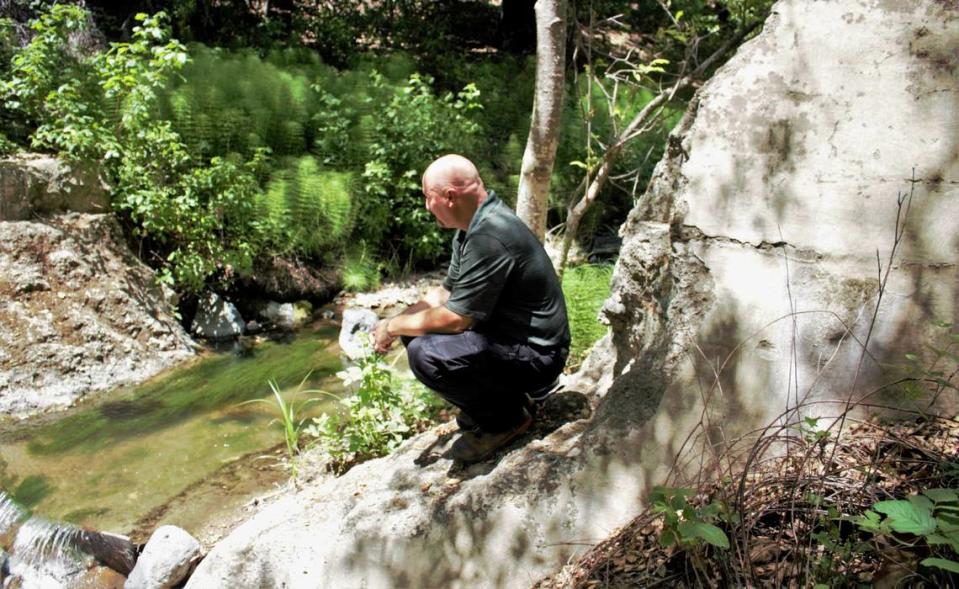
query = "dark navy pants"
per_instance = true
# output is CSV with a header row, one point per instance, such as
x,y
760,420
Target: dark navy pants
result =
x,y
485,377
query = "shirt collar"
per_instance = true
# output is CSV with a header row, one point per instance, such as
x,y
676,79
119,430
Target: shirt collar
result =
x,y
483,211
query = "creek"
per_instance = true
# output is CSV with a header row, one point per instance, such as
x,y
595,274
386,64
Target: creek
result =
x,y
182,448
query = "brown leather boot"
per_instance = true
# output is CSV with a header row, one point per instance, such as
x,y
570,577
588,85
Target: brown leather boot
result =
x,y
473,446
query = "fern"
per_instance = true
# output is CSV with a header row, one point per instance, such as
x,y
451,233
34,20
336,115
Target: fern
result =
x,y
360,271
273,213
306,209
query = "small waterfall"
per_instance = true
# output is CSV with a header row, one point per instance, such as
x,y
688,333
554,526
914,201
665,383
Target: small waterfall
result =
x,y
40,553
10,513
40,542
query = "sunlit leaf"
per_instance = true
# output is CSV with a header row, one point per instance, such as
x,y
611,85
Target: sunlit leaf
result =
x,y
907,517
942,563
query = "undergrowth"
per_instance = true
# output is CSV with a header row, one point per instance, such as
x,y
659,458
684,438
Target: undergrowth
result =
x,y
585,288
802,519
380,412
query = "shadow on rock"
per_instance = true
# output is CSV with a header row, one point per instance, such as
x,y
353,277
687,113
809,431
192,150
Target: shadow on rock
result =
x,y
550,414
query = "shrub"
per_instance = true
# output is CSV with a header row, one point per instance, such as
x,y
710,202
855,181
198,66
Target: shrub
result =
x,y
413,128
102,107
360,271
382,411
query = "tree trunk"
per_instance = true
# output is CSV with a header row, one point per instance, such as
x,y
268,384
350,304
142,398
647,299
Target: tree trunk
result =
x,y
533,199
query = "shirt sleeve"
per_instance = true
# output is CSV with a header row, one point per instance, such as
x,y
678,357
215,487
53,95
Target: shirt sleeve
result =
x,y
483,268
453,272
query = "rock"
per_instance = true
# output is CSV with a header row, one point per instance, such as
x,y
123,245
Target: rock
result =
x,y
302,312
99,578
166,560
354,332
217,319
253,327
37,185
280,315
289,280
328,314
751,253
113,550
78,313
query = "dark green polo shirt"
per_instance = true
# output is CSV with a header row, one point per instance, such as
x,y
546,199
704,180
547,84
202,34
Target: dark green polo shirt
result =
x,y
501,276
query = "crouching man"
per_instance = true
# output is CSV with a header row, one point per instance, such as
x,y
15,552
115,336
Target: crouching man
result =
x,y
497,328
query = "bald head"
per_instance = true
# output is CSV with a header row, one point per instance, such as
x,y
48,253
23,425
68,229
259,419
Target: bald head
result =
x,y
452,171
453,190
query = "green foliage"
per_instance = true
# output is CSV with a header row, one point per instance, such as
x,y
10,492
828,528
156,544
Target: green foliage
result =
x,y
685,525
930,518
360,271
51,87
7,119
412,128
291,417
382,411
102,108
384,127
237,102
305,209
585,288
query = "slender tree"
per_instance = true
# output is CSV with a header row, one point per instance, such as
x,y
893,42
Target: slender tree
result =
x,y
533,199
642,122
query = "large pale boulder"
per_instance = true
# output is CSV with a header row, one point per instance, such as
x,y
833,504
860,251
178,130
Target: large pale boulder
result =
x,y
752,257
78,313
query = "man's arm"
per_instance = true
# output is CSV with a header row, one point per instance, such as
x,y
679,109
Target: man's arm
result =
x,y
429,315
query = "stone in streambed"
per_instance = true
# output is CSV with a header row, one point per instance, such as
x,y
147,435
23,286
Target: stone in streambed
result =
x,y
357,324
217,319
168,557
280,315
99,578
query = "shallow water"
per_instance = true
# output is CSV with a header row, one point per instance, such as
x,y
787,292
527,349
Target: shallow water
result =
x,y
108,464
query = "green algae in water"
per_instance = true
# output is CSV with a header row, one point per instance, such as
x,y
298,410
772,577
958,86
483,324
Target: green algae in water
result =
x,y
209,384
181,448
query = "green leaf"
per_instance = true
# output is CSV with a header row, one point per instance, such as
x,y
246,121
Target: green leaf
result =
x,y
922,503
906,517
942,495
869,521
942,563
710,534
667,538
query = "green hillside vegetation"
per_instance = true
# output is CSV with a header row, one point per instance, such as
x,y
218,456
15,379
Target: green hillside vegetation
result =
x,y
219,156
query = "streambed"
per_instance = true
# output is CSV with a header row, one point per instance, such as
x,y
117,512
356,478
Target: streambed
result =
x,y
128,456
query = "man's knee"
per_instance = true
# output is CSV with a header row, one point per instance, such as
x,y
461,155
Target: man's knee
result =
x,y
440,360
418,357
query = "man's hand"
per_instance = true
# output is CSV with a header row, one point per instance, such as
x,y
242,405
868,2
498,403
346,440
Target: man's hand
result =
x,y
382,340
